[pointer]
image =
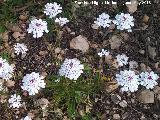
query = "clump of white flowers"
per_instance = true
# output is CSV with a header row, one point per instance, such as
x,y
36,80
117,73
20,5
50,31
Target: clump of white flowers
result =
x,y
52,9
6,70
15,101
20,48
148,79
124,21
103,20
103,52
32,83
26,118
128,80
61,21
122,59
71,68
38,27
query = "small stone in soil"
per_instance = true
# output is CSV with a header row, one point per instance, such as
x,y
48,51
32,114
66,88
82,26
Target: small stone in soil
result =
x,y
123,103
116,117
146,96
115,98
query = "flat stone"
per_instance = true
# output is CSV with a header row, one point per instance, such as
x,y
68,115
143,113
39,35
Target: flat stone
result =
x,y
146,96
123,103
115,98
116,117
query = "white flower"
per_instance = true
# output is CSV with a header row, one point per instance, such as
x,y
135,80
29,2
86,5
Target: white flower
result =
x,y
61,21
148,79
122,59
128,80
32,83
20,48
52,9
103,52
26,118
124,21
15,101
103,20
71,68
6,70
37,26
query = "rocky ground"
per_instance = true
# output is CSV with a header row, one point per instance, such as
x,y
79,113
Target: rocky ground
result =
x,y
141,45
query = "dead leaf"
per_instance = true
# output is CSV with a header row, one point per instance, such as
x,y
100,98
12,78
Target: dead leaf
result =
x,y
95,26
143,67
43,103
23,17
16,35
115,42
80,42
3,98
152,52
10,83
145,18
43,53
111,87
13,27
108,59
124,35
57,50
4,36
133,6
115,63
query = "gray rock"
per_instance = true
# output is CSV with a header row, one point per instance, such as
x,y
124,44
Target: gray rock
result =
x,y
146,96
116,117
115,98
123,103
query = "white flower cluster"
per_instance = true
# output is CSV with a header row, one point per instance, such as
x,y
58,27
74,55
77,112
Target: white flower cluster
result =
x,y
15,101
6,70
61,21
103,52
38,27
103,20
26,118
20,48
148,79
71,68
124,21
52,9
128,80
122,59
32,83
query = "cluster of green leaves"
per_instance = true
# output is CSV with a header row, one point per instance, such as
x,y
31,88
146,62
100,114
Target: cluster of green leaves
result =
x,y
8,12
69,93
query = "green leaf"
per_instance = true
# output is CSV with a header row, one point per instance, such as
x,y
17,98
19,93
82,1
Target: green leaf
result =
x,y
2,28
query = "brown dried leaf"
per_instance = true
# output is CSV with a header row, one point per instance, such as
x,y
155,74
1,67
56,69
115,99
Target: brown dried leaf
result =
x,y
10,83
13,27
43,103
108,59
115,42
133,6
115,63
145,18
111,87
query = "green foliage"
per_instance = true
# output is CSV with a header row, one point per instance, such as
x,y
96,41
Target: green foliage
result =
x,y
2,28
5,55
69,93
